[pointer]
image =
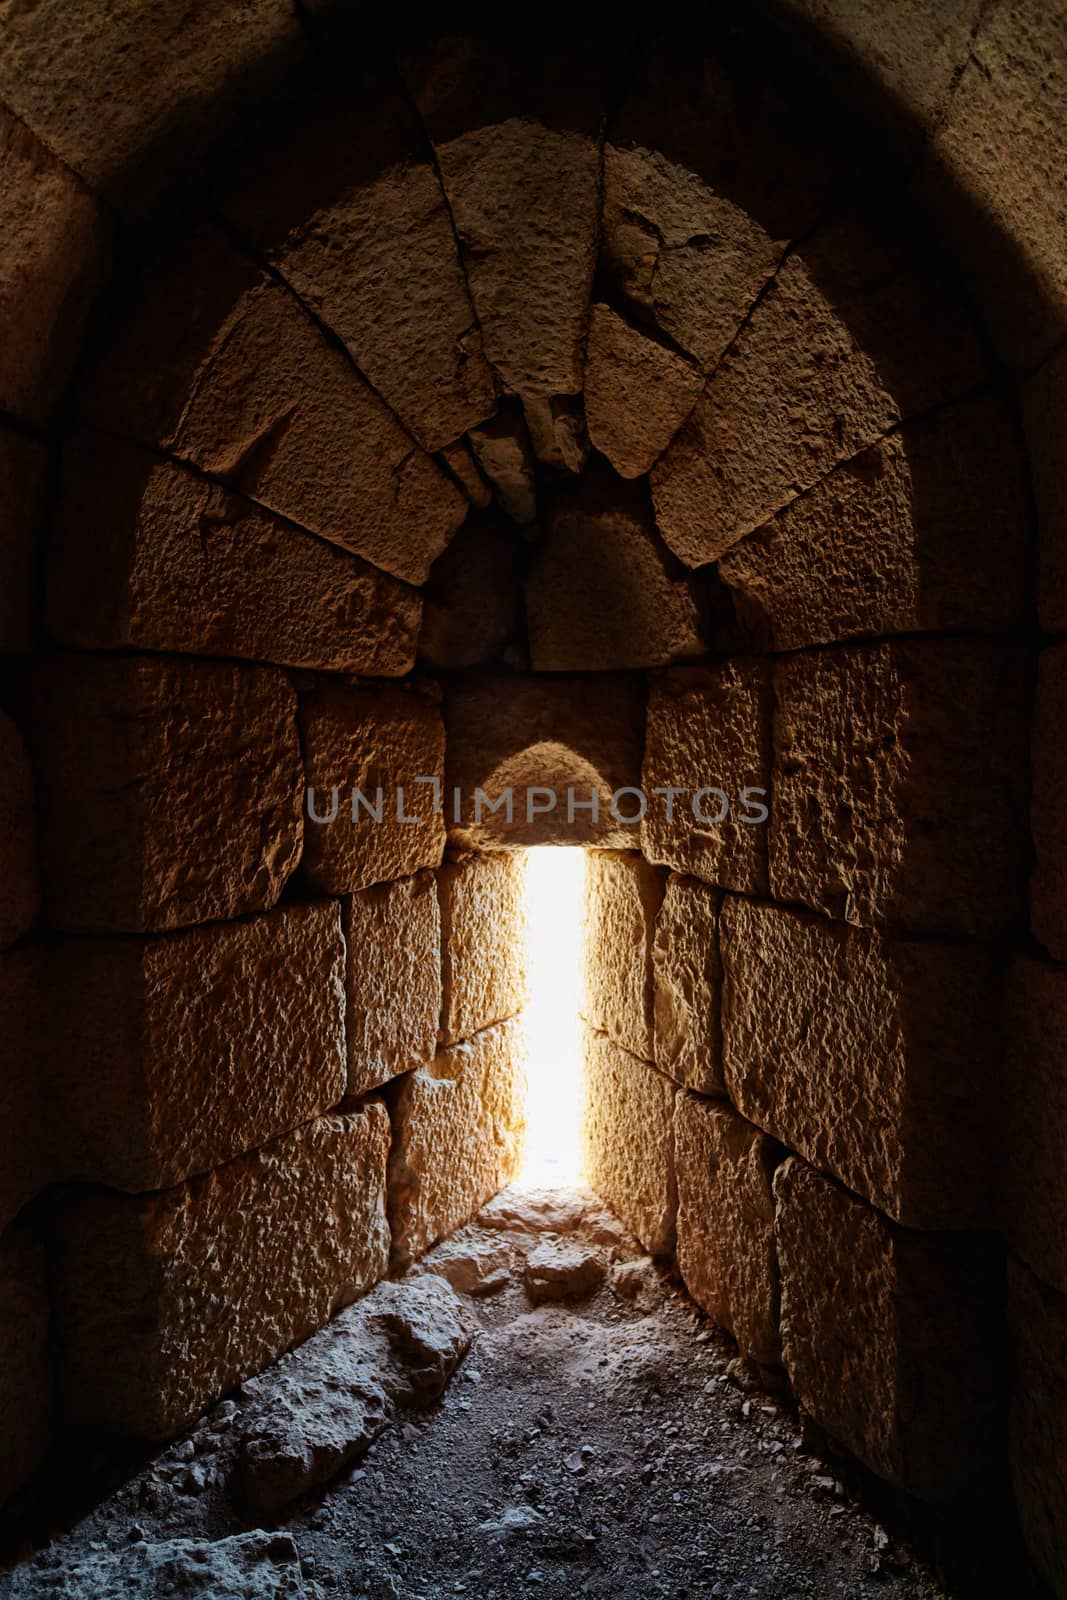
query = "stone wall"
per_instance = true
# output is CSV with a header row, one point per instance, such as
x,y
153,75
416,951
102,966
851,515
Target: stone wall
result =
x,y
458,430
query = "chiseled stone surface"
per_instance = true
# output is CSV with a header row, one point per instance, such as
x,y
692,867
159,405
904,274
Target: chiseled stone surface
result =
x,y
1034,1198
26,1136
637,393
1037,1316
169,791
1048,798
281,1238
923,531
709,727
623,894
147,554
19,881
726,1249
471,604
215,361
900,784
393,978
878,1059
25,1375
169,1056
1044,401
169,108
893,1341
22,475
458,1125
376,741
687,985
558,733
628,1139
854,335
55,258
602,540
483,942
345,204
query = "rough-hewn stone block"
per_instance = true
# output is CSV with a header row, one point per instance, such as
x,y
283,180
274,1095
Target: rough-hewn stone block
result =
x,y
878,1059
53,262
22,468
1034,1199
899,784
1048,803
602,541
19,884
637,393
150,555
925,530
550,741
623,894
25,1374
183,81
893,1341
726,1249
824,367
346,206
505,454
171,1056
458,1125
471,603
1044,405
169,791
364,750
25,1134
254,393
1037,1316
483,945
709,730
628,1140
393,978
687,985
167,1300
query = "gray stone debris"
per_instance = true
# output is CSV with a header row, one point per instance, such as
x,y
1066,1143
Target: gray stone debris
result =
x,y
250,1566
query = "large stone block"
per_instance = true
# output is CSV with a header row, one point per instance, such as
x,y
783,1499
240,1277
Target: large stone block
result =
x,y
726,1249
709,171
709,737
167,1057
483,942
1038,1420
183,81
169,791
637,393
879,1059
25,1371
165,1301
365,750
628,1140
923,531
1034,1119
893,1341
393,979
245,386
22,469
1044,405
824,367
148,554
687,985
345,204
602,541
552,744
899,784
471,603
19,882
623,894
1048,801
458,1126
54,260
516,130
26,1142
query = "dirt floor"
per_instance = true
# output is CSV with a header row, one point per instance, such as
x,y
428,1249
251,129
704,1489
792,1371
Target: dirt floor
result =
x,y
607,1445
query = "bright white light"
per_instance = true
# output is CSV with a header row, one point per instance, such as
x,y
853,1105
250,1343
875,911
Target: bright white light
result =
x,y
555,888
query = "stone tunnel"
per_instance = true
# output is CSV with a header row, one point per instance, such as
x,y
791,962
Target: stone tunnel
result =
x,y
399,411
